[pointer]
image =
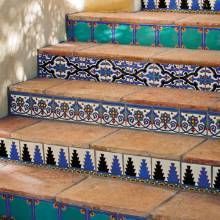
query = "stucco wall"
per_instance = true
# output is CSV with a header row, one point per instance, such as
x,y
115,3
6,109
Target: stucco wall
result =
x,y
26,25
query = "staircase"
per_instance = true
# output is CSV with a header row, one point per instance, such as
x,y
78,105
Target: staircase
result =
x,y
122,122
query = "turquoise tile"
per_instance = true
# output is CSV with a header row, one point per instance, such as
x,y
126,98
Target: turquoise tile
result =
x,y
73,213
124,34
2,205
45,210
192,38
20,208
95,215
168,36
145,35
102,33
213,39
82,31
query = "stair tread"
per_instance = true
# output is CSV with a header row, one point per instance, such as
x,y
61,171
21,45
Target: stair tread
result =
x,y
136,53
157,145
160,18
121,93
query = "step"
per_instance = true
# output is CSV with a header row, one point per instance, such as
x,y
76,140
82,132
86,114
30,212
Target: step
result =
x,y
186,6
160,29
137,65
128,106
183,161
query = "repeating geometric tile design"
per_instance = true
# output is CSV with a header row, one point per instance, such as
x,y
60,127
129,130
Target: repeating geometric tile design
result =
x,y
117,114
216,178
26,208
129,72
196,175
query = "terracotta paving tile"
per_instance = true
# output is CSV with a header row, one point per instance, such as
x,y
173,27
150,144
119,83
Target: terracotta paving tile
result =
x,y
36,85
92,90
187,56
206,153
61,133
166,97
12,123
147,143
189,206
36,182
116,196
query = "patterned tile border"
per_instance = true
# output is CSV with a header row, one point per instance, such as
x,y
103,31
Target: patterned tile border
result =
x,y
160,119
129,72
143,34
26,208
187,5
135,168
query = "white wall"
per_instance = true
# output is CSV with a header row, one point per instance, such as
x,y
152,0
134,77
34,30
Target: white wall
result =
x,y
25,26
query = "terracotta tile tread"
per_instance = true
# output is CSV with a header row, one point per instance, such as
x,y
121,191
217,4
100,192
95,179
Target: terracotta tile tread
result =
x,y
136,53
107,194
158,18
163,97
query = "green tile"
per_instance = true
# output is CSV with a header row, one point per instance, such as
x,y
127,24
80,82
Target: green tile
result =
x,y
2,205
145,35
20,208
102,33
99,216
124,34
168,36
45,210
73,213
213,39
82,31
192,38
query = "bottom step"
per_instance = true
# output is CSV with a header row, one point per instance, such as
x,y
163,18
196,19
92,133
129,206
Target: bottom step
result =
x,y
30,193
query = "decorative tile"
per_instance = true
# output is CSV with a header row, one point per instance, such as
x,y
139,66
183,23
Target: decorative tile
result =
x,y
3,205
56,156
68,211
145,35
107,162
212,38
168,36
9,148
193,122
124,34
103,32
216,178
173,5
214,124
165,119
166,170
100,215
196,175
32,152
150,4
81,158
137,166
82,31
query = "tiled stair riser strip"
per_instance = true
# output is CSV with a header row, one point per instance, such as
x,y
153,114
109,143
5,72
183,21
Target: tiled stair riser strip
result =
x,y
144,34
25,208
116,114
150,169
194,5
129,72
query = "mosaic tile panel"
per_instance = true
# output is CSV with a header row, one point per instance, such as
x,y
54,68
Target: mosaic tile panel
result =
x,y
127,72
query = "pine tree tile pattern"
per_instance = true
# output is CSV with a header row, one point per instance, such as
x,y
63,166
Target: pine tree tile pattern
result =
x,y
216,178
10,149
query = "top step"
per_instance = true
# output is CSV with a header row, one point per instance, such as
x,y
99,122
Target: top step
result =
x,y
160,29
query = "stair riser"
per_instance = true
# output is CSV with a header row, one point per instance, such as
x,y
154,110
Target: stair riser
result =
x,y
26,208
117,114
144,34
129,72
194,5
122,165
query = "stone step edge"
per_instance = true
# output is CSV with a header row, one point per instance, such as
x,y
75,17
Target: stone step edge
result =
x,y
130,53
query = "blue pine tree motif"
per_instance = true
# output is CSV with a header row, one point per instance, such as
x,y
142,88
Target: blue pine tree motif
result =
x,y
173,176
195,5
144,172
62,161
217,5
88,164
150,4
14,152
37,156
116,169
203,181
173,4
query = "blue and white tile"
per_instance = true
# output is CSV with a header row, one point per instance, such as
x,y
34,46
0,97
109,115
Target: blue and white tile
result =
x,y
166,170
35,150
214,124
113,162
216,178
200,174
12,148
137,166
